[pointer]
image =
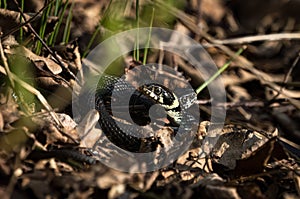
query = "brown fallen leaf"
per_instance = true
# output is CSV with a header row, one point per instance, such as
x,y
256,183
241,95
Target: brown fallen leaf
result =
x,y
24,52
10,19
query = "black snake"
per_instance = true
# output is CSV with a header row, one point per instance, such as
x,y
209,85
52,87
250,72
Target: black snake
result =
x,y
144,96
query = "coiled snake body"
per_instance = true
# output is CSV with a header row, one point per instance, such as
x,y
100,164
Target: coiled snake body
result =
x,y
148,95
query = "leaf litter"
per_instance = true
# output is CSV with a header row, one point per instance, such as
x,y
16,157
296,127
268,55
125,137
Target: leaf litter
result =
x,y
45,154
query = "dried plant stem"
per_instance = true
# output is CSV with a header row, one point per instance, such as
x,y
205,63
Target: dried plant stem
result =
x,y
250,39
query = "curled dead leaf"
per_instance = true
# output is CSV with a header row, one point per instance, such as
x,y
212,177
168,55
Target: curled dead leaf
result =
x,y
41,63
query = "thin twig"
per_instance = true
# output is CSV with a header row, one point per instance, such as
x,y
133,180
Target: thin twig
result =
x,y
286,77
250,39
291,69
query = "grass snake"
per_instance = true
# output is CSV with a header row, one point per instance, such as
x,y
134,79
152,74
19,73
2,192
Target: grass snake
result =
x,y
143,97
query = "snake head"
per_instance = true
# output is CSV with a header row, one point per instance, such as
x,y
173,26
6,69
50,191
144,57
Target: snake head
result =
x,y
161,95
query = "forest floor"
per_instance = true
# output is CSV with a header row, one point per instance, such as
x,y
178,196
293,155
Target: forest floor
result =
x,y
46,50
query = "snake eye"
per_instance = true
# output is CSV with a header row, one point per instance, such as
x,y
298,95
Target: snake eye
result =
x,y
157,90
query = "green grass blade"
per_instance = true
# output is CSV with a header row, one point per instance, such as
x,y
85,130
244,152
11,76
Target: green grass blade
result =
x,y
43,28
219,72
4,4
58,4
137,43
21,29
68,24
54,34
91,41
104,16
149,38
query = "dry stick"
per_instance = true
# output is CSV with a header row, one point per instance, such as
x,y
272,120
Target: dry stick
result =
x,y
291,69
45,45
244,63
250,39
